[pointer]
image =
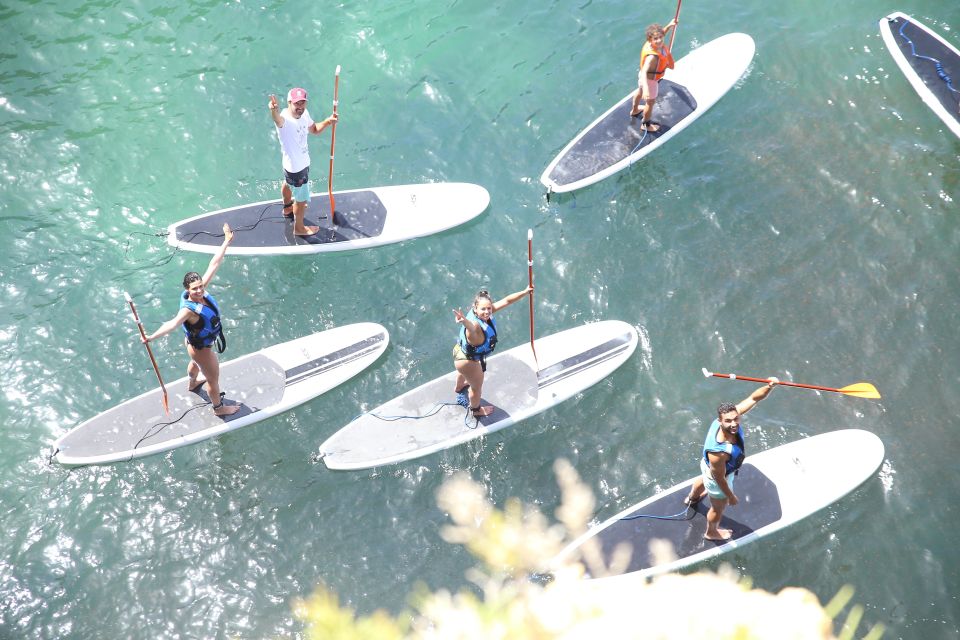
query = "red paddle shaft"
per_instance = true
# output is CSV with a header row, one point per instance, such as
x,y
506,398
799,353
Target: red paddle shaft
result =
x,y
676,17
859,389
530,281
333,142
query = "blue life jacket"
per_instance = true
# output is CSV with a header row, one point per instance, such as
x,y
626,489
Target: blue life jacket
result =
x,y
208,329
489,338
736,452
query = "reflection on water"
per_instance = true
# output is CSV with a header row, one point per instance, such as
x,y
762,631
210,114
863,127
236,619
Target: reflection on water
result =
x,y
805,227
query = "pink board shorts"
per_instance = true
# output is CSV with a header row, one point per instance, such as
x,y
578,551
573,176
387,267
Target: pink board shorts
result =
x,y
648,86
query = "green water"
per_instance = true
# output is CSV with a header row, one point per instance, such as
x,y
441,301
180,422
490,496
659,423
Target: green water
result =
x,y
805,227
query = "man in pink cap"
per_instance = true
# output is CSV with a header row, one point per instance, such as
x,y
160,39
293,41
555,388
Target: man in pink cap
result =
x,y
293,124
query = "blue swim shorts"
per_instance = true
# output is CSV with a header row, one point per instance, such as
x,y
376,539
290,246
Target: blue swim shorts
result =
x,y
713,489
301,193
299,184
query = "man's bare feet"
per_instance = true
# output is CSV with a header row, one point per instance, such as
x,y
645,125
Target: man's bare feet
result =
x,y
225,410
723,534
481,412
195,383
306,231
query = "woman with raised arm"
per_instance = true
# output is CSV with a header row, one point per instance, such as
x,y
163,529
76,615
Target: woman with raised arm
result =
x,y
199,315
478,338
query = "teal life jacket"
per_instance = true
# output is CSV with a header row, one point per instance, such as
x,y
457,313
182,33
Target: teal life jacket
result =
x,y
480,351
736,451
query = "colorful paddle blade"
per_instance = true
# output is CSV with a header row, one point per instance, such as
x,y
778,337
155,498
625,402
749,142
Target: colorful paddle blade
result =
x,y
861,390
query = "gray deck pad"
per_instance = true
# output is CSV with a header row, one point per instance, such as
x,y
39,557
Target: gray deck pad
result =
x,y
617,136
758,506
253,382
592,357
411,422
927,46
360,214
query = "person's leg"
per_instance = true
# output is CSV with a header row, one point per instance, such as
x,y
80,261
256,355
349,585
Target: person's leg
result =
x,y
647,111
193,370
650,96
635,105
713,520
696,492
472,373
287,195
461,384
301,196
210,366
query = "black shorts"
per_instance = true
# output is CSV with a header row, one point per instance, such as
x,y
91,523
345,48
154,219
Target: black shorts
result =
x,y
297,179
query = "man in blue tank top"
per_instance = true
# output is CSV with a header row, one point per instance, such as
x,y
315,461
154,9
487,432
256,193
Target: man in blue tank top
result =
x,y
723,453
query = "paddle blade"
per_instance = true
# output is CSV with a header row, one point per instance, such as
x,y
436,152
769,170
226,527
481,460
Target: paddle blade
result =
x,y
861,390
166,403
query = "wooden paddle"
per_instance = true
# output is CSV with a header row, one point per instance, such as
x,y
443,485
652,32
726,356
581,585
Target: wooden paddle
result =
x,y
143,334
858,389
333,142
530,280
676,16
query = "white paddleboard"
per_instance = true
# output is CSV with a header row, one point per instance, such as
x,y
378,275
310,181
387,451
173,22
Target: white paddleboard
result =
x,y
364,218
569,362
264,384
614,141
776,488
917,49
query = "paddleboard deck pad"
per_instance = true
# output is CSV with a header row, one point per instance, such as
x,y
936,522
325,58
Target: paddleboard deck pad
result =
x,y
776,488
427,419
930,63
615,140
263,384
364,218
614,137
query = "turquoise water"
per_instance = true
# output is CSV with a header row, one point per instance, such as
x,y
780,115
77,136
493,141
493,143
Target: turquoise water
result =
x,y
806,227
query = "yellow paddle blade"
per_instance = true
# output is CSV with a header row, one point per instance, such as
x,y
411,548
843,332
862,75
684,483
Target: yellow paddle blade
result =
x,y
861,390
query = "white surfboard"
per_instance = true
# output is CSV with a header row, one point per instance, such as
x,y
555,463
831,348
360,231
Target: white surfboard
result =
x,y
614,141
263,384
930,63
416,423
775,488
364,218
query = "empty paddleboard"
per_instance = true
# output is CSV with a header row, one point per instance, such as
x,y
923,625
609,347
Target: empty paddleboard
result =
x,y
931,64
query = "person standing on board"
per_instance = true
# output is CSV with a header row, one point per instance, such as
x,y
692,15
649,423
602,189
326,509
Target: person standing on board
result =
x,y
723,454
293,124
199,315
655,59
477,340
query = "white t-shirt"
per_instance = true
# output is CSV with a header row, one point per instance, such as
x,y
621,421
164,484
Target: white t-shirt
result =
x,y
293,140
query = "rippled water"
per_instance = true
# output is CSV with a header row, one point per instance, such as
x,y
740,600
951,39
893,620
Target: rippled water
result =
x,y
806,227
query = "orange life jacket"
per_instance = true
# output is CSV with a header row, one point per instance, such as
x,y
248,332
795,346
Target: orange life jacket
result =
x,y
664,58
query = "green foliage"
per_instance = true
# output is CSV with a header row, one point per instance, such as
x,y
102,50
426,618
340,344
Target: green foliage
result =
x,y
514,543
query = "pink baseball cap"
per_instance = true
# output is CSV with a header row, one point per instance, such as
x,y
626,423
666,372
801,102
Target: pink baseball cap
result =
x,y
296,95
